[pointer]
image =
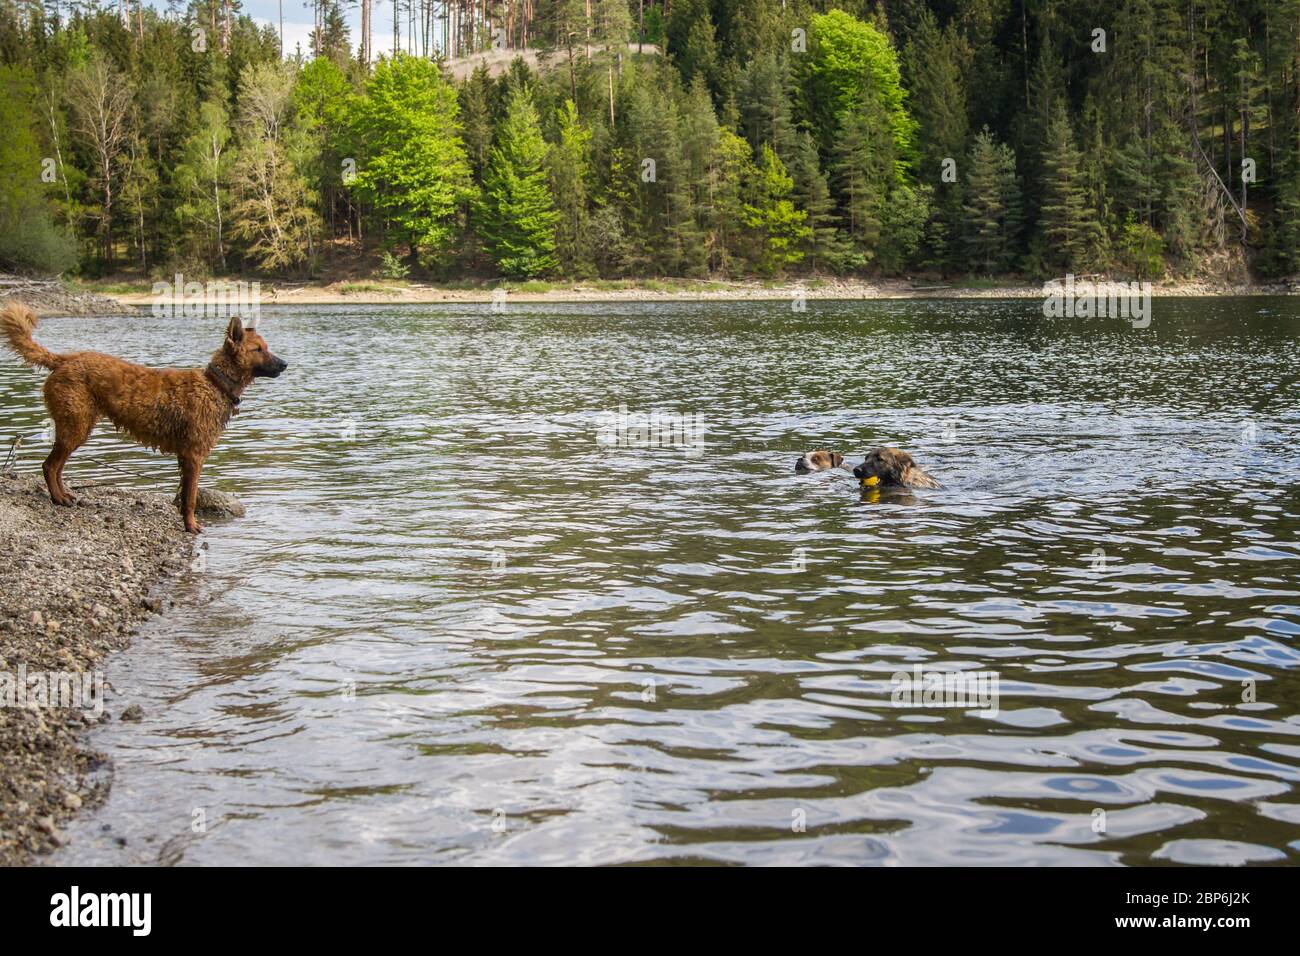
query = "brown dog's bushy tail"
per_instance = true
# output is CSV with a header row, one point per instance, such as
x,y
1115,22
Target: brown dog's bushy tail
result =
x,y
17,322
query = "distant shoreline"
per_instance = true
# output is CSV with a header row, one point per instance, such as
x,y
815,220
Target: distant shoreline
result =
x,y
389,292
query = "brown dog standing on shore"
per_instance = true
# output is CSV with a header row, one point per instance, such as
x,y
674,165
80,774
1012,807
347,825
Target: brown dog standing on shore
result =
x,y
180,412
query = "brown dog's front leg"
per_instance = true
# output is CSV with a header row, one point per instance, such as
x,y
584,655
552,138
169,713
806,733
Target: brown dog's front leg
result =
x,y
190,468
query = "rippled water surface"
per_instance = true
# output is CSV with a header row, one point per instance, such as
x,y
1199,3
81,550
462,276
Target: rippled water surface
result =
x,y
454,628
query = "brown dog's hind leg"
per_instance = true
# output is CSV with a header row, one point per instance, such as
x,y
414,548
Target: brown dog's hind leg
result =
x,y
190,469
69,435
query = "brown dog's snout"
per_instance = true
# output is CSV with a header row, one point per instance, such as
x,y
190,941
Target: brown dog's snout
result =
x,y
271,368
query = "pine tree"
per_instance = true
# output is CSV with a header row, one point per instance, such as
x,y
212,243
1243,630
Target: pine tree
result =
x,y
614,23
516,214
700,133
569,163
1069,228
991,204
935,61
984,207
477,104
812,194
691,40
864,169
764,104
734,167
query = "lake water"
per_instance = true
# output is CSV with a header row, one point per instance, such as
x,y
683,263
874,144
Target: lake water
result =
x,y
456,627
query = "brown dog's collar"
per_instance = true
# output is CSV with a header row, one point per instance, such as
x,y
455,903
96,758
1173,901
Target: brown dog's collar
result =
x,y
228,390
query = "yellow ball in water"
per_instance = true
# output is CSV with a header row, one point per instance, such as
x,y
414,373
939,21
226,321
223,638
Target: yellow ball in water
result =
x,y
870,482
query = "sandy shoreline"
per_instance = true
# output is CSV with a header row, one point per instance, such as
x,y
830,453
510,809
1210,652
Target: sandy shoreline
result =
x,y
383,292
74,583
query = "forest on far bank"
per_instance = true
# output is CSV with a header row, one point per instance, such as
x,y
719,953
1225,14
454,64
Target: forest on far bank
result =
x,y
765,138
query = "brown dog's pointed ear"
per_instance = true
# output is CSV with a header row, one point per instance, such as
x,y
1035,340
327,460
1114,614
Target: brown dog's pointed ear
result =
x,y
235,331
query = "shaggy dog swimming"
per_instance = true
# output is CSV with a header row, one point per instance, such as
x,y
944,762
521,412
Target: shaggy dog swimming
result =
x,y
891,468
180,412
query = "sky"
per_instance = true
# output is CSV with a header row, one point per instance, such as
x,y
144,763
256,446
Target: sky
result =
x,y
298,22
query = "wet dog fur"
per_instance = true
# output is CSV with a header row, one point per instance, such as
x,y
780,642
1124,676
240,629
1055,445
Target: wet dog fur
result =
x,y
179,412
893,468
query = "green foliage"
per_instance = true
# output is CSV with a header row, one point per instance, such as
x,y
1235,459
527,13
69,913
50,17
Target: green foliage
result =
x,y
1127,159
29,238
274,208
782,229
1143,249
203,187
392,267
991,205
516,214
812,193
1069,227
414,168
569,162
850,68
865,166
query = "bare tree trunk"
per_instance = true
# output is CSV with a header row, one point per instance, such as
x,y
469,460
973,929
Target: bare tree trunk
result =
x,y
216,204
365,32
52,115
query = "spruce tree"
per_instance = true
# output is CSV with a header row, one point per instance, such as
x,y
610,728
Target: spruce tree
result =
x,y
983,206
864,168
812,193
734,170
1069,227
569,163
516,214
764,104
936,95
699,132
477,97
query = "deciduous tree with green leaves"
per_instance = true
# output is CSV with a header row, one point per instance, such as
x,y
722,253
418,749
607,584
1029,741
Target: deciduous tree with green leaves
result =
x,y
414,169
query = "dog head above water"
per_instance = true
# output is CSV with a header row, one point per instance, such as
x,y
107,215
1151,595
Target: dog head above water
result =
x,y
890,467
819,460
248,353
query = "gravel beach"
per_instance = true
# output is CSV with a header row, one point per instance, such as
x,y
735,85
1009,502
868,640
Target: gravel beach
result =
x,y
74,583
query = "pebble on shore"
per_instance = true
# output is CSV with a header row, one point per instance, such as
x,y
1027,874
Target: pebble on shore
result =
x,y
74,582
